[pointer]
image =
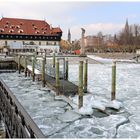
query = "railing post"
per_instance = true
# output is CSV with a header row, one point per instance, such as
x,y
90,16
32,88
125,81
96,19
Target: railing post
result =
x,y
19,67
57,77
25,68
80,87
67,69
113,92
33,68
85,75
43,73
54,60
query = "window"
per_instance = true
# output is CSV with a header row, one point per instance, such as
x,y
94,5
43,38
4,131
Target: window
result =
x,y
17,26
39,43
6,26
23,42
21,23
11,31
37,32
12,26
54,43
20,31
1,30
5,43
47,43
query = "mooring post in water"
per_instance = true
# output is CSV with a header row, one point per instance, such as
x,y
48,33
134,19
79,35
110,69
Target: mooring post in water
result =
x,y
85,75
19,67
25,66
113,92
57,77
80,87
54,60
67,69
43,73
45,57
33,68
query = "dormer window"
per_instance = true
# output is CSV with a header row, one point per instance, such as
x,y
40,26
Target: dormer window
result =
x,y
7,22
42,28
1,30
33,24
44,32
37,32
6,26
35,27
11,31
21,23
17,26
12,26
20,31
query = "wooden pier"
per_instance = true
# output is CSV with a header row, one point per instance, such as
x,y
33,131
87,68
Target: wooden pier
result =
x,y
66,88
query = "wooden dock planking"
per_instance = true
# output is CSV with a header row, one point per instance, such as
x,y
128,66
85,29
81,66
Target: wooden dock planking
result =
x,y
67,88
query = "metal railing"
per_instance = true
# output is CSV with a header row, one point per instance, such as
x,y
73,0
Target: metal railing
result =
x,y
17,121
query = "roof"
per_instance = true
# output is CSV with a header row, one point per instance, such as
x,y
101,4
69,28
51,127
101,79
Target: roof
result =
x,y
27,27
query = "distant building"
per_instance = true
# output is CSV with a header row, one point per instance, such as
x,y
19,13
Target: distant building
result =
x,y
69,36
26,33
91,41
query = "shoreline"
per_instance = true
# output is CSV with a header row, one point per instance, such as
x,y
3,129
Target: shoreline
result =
x,y
75,60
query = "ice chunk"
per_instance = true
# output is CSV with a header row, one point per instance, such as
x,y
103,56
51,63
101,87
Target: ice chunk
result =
x,y
69,116
98,105
85,111
114,104
64,98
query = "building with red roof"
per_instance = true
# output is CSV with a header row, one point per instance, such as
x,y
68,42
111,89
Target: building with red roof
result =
x,y
16,33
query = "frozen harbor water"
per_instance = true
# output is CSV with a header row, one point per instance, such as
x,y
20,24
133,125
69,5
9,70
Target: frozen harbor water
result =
x,y
59,119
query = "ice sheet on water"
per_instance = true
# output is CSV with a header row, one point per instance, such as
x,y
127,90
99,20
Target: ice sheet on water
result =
x,y
129,130
51,125
69,116
83,128
56,104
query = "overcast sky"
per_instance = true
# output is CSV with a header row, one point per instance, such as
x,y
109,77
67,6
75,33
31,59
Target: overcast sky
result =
x,y
108,17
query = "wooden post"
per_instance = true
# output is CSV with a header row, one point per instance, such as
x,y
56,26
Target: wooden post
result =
x,y
19,68
45,57
28,73
25,66
67,69
43,73
57,77
85,75
33,68
53,60
113,92
80,87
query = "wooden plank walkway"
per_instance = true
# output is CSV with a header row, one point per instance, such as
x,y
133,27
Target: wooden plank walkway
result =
x,y
67,88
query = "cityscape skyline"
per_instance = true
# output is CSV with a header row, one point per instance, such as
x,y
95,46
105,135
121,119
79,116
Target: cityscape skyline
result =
x,y
107,17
